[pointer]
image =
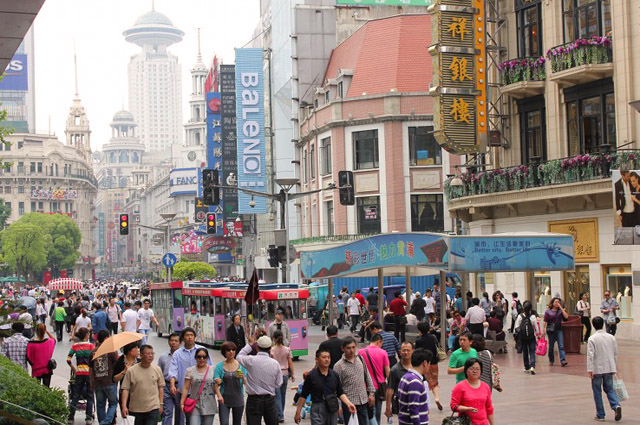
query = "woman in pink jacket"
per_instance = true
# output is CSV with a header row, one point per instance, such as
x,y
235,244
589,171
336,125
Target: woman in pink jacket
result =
x,y
39,353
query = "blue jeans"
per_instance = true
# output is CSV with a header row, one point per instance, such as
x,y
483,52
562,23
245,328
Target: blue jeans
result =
x,y
171,408
559,337
103,394
281,396
197,419
146,335
597,383
529,353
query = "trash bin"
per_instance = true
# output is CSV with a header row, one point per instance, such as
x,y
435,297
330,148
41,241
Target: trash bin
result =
x,y
572,329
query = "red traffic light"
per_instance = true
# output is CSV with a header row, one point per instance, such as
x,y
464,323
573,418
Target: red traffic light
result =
x,y
124,217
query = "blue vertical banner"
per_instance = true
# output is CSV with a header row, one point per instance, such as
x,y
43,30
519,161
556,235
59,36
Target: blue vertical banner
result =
x,y
251,148
214,148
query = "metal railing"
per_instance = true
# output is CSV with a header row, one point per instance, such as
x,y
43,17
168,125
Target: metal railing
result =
x,y
579,168
584,51
522,69
332,238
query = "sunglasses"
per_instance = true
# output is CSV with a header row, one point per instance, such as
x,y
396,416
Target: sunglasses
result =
x,y
202,357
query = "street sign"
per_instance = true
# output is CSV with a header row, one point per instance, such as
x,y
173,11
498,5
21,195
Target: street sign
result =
x,y
169,260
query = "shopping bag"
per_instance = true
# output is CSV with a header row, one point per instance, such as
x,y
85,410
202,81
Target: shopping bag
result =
x,y
353,420
541,348
620,389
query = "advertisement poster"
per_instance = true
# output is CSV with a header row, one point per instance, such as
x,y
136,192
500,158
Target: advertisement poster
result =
x,y
626,207
229,140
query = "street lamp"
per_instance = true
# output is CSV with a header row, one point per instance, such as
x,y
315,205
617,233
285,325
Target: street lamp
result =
x,y
167,217
286,184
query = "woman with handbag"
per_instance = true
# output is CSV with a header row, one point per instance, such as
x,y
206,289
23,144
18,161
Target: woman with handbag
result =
x,y
39,354
430,343
471,398
583,309
229,376
488,366
553,318
201,405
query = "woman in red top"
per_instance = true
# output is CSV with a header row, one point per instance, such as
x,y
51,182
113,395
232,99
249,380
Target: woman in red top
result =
x,y
39,352
472,397
399,309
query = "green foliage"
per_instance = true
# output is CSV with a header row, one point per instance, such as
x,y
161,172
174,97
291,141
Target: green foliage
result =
x,y
4,132
62,238
23,248
19,388
184,270
5,213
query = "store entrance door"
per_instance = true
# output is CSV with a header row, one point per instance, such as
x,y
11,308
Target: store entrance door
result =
x,y
575,283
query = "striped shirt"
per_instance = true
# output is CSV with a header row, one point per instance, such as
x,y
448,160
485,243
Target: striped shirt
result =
x,y
82,351
413,400
352,376
389,343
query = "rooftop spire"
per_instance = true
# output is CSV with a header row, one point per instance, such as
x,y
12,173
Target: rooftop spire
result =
x,y
153,4
199,53
75,65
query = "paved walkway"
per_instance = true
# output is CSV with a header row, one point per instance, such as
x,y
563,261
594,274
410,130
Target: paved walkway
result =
x,y
556,395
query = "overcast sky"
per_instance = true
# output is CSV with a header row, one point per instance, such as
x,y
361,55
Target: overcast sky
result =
x,y
103,54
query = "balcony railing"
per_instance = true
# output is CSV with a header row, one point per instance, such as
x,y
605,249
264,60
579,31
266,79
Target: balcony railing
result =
x,y
522,69
591,51
333,238
574,169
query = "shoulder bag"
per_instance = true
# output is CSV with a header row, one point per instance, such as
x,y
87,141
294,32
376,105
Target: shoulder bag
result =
x,y
440,353
381,392
456,420
190,403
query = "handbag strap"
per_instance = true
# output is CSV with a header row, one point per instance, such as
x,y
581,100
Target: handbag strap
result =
x,y
375,375
202,383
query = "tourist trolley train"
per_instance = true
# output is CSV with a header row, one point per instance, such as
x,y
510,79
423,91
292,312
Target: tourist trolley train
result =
x,y
208,307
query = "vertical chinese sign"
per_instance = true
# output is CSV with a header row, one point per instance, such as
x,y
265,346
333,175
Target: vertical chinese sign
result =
x,y
459,83
229,141
214,147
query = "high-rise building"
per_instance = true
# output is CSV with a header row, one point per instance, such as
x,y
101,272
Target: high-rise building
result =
x,y
155,83
17,88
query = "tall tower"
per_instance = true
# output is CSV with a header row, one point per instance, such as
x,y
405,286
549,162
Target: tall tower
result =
x,y
196,126
77,129
155,83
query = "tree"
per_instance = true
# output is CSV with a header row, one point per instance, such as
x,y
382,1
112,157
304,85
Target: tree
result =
x,y
5,213
185,270
62,239
4,131
23,247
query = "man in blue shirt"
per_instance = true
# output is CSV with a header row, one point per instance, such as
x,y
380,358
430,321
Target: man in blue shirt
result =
x,y
170,402
99,320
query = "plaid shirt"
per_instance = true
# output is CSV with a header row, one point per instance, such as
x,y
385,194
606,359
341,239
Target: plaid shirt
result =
x,y
15,348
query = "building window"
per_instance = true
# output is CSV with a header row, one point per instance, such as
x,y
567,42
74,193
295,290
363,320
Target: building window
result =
x,y
591,117
365,144
33,207
427,213
312,162
619,284
533,130
41,206
327,99
20,189
20,145
39,167
369,215
32,167
20,208
329,210
7,189
529,20
304,166
20,167
8,205
341,90
423,149
325,147
586,18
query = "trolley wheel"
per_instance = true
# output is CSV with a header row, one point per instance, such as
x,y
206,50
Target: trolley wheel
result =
x,y
295,358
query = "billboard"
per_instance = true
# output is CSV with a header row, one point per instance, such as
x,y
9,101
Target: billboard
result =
x,y
385,2
626,207
184,181
15,76
250,129
459,84
214,146
229,140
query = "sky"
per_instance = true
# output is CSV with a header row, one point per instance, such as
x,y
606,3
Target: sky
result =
x,y
96,26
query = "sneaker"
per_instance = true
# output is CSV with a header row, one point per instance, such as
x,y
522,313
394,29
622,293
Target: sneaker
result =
x,y
532,371
618,411
564,364
527,371
598,419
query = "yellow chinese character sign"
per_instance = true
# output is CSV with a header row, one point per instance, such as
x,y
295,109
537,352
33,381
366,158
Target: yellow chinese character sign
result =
x,y
459,79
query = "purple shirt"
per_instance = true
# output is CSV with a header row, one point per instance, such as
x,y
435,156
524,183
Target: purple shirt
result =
x,y
551,316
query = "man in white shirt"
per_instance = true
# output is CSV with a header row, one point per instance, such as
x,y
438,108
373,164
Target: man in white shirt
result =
x,y
431,303
145,316
475,318
602,365
129,318
354,311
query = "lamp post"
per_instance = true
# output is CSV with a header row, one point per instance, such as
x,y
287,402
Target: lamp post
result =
x,y
286,184
167,217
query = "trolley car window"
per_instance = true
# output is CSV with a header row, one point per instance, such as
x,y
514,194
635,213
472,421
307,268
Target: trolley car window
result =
x,y
177,298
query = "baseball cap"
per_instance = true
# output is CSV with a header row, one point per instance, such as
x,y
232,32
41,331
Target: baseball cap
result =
x,y
264,342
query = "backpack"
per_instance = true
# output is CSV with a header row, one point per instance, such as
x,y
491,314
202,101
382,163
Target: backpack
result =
x,y
526,332
519,308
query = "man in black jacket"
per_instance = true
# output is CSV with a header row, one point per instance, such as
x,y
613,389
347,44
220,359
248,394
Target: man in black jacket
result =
x,y
333,345
625,208
235,333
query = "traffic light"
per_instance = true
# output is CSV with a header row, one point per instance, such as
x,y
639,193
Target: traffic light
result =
x,y
273,256
211,223
210,187
124,224
347,191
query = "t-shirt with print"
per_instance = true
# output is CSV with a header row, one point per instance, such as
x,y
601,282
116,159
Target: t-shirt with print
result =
x,y
143,384
207,404
102,368
145,318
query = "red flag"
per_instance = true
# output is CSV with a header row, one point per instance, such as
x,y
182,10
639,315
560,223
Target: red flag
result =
x,y
211,83
253,291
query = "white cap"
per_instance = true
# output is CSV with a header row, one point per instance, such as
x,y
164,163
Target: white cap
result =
x,y
264,342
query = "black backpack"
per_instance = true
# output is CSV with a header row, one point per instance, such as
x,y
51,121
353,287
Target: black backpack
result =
x,y
519,308
527,332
